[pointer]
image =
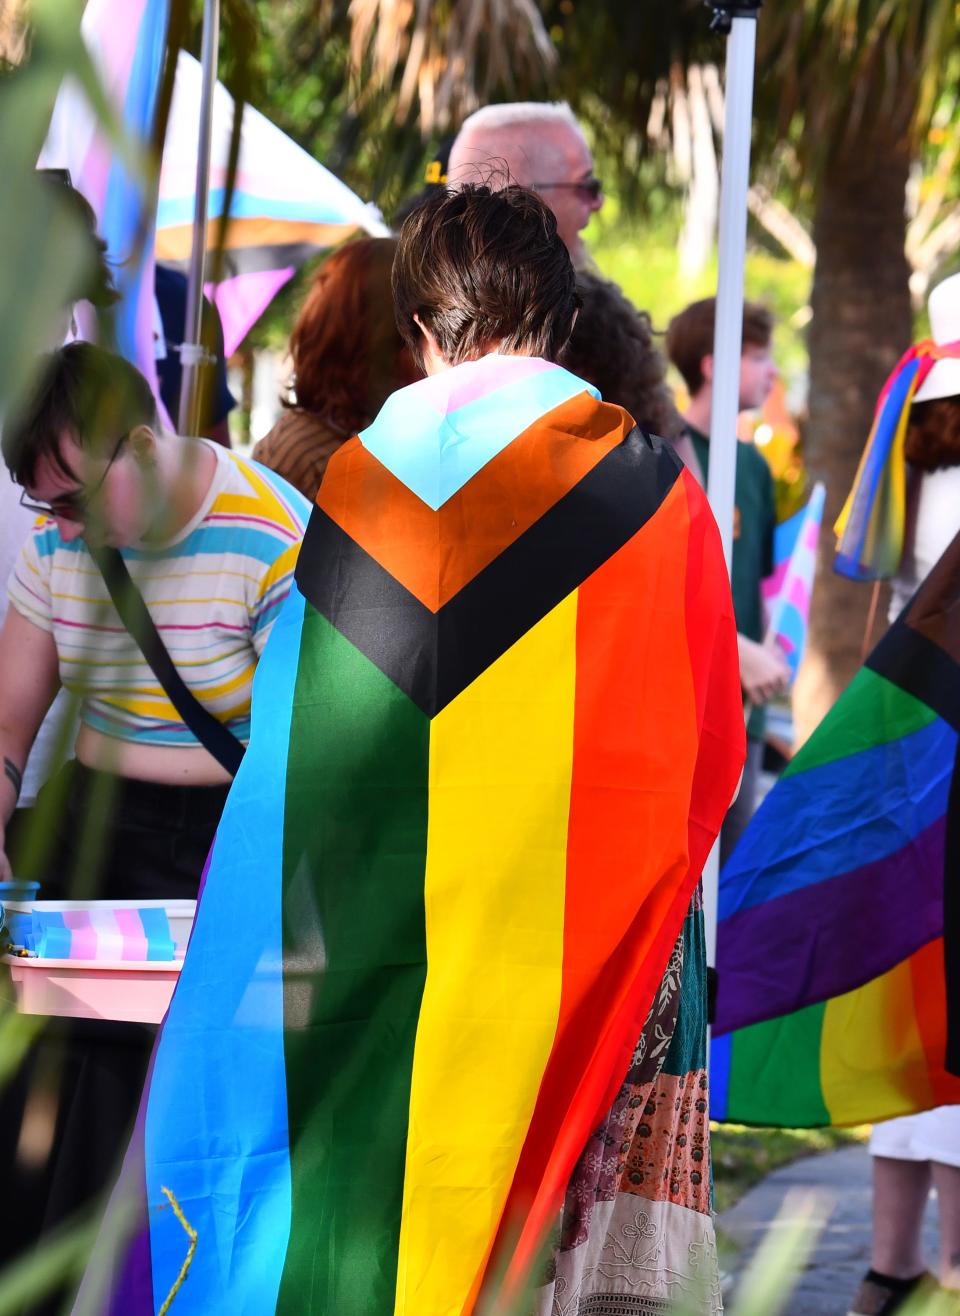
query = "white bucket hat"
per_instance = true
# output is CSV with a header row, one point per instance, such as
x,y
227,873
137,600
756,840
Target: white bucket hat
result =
x,y
943,380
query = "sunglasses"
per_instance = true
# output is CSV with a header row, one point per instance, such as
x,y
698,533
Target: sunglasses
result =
x,y
590,187
73,506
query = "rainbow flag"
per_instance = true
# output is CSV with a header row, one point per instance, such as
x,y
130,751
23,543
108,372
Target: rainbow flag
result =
x,y
495,731
838,954
788,590
125,39
285,205
870,527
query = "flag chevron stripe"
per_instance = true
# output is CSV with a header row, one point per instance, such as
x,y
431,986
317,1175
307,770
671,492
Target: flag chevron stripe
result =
x,y
433,656
426,550
920,667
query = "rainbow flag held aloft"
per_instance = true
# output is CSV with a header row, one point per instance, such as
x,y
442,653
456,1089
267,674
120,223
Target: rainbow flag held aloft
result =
x,y
870,527
495,731
788,590
838,945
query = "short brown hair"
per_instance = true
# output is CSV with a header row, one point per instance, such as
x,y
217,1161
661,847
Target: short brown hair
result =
x,y
933,434
690,336
612,348
484,268
347,355
85,392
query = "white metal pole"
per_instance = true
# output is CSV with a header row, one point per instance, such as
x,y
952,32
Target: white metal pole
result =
x,y
191,351
728,333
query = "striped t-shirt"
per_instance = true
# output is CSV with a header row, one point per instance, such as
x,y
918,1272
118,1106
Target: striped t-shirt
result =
x,y
213,592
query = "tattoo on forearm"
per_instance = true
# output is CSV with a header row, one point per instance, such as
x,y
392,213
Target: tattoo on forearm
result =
x,y
13,775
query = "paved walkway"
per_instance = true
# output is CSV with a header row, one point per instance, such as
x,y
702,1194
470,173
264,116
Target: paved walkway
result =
x,y
842,1254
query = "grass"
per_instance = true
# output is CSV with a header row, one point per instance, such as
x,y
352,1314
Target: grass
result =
x,y
743,1156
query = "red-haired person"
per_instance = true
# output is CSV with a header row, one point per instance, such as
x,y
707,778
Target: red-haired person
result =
x,y
348,357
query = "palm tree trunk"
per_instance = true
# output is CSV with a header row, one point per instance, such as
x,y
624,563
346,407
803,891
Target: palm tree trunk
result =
x,y
861,324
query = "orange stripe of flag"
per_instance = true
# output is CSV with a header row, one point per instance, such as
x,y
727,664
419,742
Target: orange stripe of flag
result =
x,y
435,553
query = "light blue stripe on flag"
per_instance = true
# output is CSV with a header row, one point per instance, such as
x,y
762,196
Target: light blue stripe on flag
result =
x,y
436,455
156,929
52,938
218,1096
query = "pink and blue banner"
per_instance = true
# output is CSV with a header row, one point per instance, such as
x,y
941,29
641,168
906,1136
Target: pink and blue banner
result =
x,y
285,206
125,39
788,591
102,933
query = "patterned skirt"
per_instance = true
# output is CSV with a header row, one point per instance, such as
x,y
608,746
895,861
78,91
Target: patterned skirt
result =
x,y
637,1231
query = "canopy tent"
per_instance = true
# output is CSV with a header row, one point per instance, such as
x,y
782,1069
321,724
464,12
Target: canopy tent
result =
x,y
285,207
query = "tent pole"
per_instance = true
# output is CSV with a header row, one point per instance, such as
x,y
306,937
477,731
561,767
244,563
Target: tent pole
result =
x,y
739,22
192,354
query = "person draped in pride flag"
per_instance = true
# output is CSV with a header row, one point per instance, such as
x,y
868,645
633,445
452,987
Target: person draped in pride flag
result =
x,y
429,1013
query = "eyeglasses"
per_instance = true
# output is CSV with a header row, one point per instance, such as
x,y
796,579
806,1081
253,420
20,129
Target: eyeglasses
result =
x,y
590,187
73,506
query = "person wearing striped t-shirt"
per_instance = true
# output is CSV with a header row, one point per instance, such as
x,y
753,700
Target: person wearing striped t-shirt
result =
x,y
211,542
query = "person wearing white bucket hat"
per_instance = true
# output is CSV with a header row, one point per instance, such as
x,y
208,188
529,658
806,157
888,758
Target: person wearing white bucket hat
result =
x,y
917,1152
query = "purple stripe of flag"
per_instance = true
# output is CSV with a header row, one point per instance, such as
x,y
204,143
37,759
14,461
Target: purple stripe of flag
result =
x,y
830,938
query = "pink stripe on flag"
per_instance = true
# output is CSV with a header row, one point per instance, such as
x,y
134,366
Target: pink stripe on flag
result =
x,y
451,390
134,945
773,584
83,936
799,595
811,535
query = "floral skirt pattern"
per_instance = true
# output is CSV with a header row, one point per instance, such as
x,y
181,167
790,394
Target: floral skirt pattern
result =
x,y
637,1230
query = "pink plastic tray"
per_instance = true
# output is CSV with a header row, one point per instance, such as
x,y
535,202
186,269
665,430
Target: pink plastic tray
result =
x,y
94,989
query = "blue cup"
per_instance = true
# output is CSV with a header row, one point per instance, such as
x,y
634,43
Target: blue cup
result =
x,y
18,924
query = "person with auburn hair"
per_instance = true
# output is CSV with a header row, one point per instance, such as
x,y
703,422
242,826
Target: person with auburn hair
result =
x,y
494,738
347,360
764,672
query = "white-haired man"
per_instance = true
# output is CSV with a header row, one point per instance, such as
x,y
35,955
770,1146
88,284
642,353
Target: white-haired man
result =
x,y
539,145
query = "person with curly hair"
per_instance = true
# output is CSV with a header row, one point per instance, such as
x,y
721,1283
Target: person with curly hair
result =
x,y
347,359
612,347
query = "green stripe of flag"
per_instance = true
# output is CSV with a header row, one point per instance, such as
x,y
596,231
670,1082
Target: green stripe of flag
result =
x,y
872,711
355,836
775,1072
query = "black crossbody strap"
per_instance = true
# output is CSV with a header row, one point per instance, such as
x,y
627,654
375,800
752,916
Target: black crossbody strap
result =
x,y
128,601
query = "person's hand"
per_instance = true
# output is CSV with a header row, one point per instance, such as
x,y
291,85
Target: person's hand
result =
x,y
6,872
764,672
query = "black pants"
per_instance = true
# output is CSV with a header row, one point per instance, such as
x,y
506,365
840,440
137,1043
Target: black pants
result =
x,y
114,839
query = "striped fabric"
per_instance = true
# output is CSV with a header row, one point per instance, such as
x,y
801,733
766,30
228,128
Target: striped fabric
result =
x,y
103,934
838,946
496,730
213,592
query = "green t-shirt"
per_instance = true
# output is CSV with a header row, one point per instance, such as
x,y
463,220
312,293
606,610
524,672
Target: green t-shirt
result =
x,y
754,521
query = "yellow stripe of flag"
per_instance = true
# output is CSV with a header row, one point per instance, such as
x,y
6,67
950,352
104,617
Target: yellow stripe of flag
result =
x,y
501,760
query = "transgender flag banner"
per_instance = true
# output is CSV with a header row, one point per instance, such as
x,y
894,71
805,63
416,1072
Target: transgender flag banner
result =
x,y
125,39
787,592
